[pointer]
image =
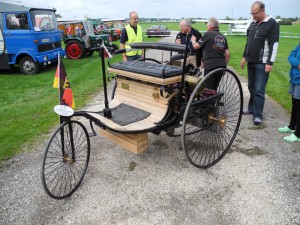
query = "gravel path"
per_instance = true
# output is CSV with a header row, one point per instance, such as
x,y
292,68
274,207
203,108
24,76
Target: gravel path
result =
x,y
257,182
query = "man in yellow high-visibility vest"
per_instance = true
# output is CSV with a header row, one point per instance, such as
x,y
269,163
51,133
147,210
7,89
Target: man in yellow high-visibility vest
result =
x,y
130,34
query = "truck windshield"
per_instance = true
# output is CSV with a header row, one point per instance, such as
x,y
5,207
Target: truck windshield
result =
x,y
43,20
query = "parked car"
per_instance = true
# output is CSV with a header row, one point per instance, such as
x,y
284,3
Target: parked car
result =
x,y
157,30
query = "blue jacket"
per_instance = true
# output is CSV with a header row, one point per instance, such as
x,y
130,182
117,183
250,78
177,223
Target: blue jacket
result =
x,y
294,60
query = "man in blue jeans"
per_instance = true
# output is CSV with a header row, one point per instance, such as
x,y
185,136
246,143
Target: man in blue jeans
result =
x,y
260,53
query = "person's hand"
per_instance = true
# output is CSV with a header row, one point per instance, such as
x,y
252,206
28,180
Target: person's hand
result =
x,y
243,62
178,41
268,68
202,65
299,67
193,38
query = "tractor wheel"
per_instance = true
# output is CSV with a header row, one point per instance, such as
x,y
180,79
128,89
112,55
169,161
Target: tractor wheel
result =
x,y
89,53
114,48
75,49
29,66
115,37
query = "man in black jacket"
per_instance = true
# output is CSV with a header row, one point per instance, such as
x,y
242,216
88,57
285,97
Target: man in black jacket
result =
x,y
260,53
186,28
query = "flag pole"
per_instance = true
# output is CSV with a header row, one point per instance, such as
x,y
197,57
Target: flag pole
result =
x,y
59,91
58,74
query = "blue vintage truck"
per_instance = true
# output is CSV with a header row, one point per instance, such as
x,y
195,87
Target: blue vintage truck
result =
x,y
29,37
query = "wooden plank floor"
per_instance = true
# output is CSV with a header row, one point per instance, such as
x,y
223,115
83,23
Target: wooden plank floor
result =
x,y
139,95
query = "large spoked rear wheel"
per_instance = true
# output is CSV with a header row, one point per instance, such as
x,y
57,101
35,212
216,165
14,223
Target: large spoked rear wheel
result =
x,y
66,159
212,118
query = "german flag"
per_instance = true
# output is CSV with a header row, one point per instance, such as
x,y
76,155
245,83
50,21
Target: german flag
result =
x,y
61,81
67,97
60,74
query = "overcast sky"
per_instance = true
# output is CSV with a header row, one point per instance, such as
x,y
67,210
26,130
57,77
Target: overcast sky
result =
x,y
166,8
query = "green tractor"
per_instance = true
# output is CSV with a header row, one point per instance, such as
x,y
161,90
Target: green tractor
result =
x,y
80,39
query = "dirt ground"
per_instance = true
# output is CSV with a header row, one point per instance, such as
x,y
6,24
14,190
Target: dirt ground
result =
x,y
257,182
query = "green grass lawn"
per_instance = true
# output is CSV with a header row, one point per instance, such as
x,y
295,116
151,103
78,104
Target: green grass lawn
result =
x,y
27,101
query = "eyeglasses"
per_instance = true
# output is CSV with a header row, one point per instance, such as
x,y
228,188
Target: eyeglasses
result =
x,y
254,14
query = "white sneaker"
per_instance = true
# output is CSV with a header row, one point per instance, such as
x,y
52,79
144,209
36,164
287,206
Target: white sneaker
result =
x,y
257,121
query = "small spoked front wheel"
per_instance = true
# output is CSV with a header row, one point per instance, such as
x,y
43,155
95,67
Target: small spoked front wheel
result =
x,y
66,159
212,118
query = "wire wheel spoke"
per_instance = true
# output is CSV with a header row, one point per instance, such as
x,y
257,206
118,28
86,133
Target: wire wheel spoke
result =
x,y
212,118
66,159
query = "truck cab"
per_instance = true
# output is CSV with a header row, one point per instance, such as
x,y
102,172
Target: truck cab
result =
x,y
29,37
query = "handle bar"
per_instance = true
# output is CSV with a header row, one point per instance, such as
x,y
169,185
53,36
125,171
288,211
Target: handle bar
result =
x,y
123,50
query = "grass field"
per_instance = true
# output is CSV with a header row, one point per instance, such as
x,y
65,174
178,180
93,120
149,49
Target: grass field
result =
x,y
26,102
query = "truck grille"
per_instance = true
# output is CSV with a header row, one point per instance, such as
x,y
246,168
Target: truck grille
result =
x,y
49,47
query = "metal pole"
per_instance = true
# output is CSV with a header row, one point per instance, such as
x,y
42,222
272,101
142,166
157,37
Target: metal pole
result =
x,y
184,69
107,110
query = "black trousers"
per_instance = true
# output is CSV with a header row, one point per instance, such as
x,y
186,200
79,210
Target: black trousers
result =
x,y
295,117
214,81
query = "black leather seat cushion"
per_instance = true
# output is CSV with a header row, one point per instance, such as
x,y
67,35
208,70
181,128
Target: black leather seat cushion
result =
x,y
167,46
150,69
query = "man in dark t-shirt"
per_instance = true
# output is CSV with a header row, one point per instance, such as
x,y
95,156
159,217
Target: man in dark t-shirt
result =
x,y
215,48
